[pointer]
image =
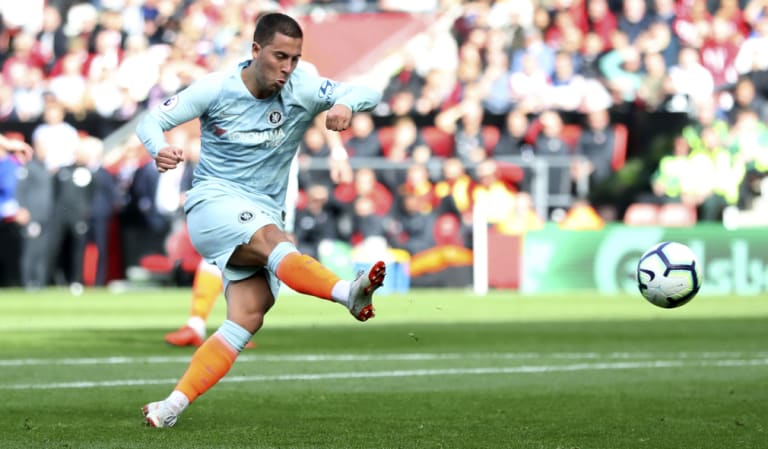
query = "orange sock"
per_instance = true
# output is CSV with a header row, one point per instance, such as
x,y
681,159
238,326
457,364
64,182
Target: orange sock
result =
x,y
306,275
209,364
205,289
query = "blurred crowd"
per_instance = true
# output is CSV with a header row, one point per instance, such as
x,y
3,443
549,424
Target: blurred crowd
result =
x,y
493,88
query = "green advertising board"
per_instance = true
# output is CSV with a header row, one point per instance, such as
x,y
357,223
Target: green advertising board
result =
x,y
555,260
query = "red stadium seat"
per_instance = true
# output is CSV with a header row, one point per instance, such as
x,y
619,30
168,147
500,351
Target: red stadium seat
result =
x,y
345,192
571,135
439,141
490,137
386,138
511,174
180,257
642,214
677,215
619,146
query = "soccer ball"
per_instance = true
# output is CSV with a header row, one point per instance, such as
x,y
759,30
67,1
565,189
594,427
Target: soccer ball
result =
x,y
668,275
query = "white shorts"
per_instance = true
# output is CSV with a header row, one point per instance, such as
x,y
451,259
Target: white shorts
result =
x,y
220,220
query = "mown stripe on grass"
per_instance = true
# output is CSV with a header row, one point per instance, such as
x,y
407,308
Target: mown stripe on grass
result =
x,y
304,358
525,369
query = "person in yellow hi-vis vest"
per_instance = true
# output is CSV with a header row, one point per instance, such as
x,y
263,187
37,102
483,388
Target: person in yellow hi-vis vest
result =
x,y
510,211
748,141
668,178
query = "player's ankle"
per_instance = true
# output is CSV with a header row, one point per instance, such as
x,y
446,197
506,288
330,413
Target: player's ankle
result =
x,y
340,292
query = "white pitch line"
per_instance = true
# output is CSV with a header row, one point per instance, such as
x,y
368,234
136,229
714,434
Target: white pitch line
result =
x,y
305,358
408,373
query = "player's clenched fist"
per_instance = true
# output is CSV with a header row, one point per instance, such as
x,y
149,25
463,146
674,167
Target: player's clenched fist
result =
x,y
338,118
168,158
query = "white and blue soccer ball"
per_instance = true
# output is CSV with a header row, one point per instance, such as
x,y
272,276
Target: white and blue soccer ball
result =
x,y
668,275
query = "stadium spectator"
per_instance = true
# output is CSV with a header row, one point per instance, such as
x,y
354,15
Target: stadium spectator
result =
x,y
23,57
28,95
693,23
58,136
596,145
52,42
418,185
316,222
69,86
719,50
438,86
718,175
139,69
622,69
7,105
634,19
364,140
689,78
745,96
465,123
659,38
415,224
73,191
406,79
512,136
536,53
753,52
143,228
665,11
673,173
368,186
494,83
748,139
505,208
601,22
548,144
35,197
568,86
406,139
655,86
313,147
530,85
14,152
103,207
590,55
454,188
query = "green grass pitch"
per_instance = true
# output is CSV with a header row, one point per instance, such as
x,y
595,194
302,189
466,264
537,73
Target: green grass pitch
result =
x,y
434,369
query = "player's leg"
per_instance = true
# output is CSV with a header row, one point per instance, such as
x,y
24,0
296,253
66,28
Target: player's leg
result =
x,y
247,303
206,288
271,247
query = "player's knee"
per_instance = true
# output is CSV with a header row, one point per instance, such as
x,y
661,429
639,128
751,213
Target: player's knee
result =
x,y
259,247
266,239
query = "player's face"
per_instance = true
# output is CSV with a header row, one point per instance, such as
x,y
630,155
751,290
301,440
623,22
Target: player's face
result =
x,y
274,62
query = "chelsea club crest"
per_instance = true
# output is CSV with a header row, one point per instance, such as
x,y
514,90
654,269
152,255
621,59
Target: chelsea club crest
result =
x,y
275,117
245,216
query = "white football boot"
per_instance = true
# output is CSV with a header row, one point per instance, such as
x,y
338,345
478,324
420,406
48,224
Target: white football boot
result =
x,y
159,414
362,288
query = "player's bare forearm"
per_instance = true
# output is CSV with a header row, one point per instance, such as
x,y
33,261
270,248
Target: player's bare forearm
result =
x,y
341,171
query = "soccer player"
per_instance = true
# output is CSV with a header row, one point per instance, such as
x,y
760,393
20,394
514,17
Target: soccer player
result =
x,y
252,120
208,284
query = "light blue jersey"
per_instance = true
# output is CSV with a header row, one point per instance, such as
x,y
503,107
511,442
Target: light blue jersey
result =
x,y
247,145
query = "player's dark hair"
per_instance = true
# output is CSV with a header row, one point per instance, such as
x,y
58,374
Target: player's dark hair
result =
x,y
269,24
